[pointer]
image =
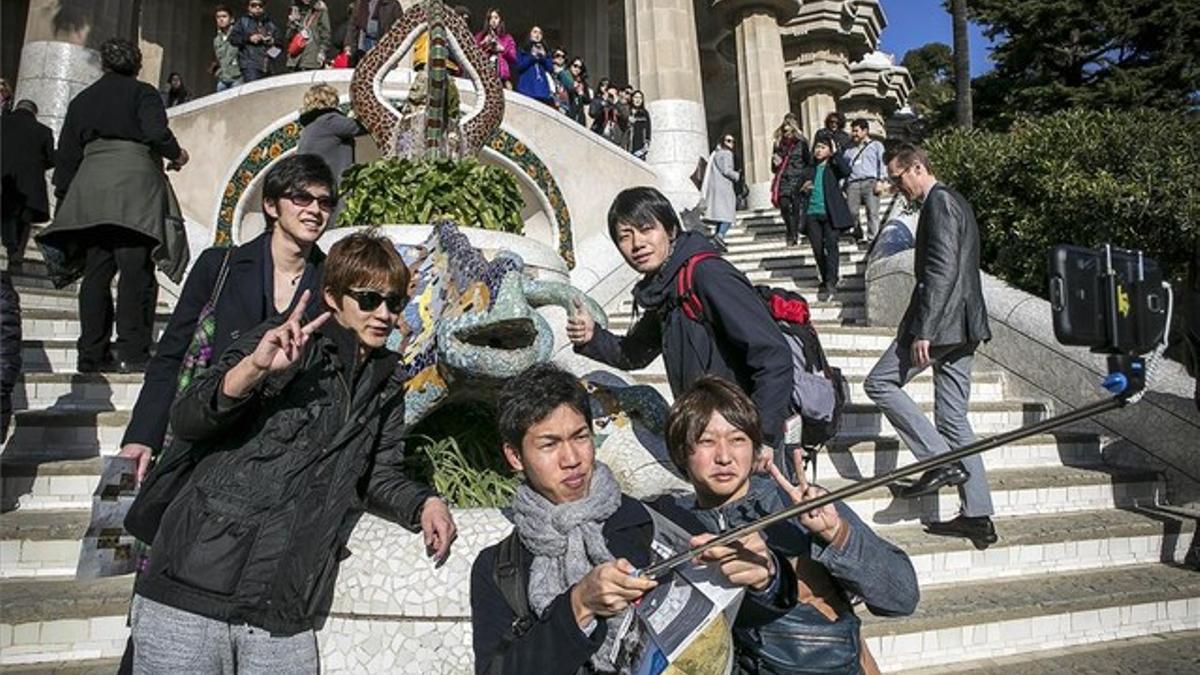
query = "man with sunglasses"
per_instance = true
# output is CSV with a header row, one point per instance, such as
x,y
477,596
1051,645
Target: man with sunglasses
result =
x,y
945,321
256,36
293,433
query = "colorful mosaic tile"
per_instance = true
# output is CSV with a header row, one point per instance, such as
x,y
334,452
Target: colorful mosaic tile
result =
x,y
287,136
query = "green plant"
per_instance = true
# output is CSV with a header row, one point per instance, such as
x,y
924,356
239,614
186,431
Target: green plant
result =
x,y
403,191
457,450
1083,177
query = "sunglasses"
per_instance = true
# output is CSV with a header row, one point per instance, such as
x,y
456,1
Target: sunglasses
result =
x,y
369,300
303,199
895,180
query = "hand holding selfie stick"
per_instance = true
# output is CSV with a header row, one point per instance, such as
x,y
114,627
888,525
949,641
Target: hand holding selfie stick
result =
x,y
1126,381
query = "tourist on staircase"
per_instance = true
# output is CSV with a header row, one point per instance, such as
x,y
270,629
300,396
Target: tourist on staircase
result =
x,y
713,437
824,212
498,46
176,92
867,179
293,433
580,93
28,153
308,35
834,132
639,125
790,159
945,321
734,337
116,210
719,190
328,132
229,291
551,597
257,38
535,69
372,20
608,118
225,53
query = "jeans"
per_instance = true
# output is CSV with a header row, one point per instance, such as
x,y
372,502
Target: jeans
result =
x,y
824,240
859,193
222,85
112,249
951,392
722,230
170,640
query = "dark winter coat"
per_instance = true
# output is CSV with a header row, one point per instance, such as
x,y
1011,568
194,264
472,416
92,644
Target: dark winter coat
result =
x,y
554,644
792,174
738,340
247,299
253,56
840,139
10,349
258,532
947,305
535,76
28,152
836,168
639,130
867,567
387,12
330,134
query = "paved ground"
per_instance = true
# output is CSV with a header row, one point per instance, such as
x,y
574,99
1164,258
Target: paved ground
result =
x,y
1170,654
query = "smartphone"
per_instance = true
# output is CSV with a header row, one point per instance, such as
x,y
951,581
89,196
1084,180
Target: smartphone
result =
x,y
1109,299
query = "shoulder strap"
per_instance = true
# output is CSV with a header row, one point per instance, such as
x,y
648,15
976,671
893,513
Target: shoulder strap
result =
x,y
216,293
509,577
689,302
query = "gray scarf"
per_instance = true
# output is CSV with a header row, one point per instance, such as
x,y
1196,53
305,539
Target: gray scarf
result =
x,y
567,541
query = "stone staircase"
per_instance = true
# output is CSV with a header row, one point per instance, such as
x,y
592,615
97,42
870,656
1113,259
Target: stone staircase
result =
x,y
1087,566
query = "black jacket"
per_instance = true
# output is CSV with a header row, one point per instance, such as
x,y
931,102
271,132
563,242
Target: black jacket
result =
x,y
836,168
793,174
247,299
257,533
840,139
947,305
254,56
10,349
739,340
114,107
28,152
555,644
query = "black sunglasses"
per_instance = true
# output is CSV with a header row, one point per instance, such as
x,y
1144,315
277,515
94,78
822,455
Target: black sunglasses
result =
x,y
303,199
369,300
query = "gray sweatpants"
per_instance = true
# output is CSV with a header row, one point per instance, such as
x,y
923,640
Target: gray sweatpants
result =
x,y
170,640
951,395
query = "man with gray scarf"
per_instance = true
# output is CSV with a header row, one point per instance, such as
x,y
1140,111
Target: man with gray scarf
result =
x,y
577,540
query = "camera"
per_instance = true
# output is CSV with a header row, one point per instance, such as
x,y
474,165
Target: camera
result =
x,y
1110,299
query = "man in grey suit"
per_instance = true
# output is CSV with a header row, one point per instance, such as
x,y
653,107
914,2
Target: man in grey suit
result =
x,y
945,321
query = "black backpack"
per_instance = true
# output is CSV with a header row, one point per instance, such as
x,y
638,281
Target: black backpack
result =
x,y
508,575
811,369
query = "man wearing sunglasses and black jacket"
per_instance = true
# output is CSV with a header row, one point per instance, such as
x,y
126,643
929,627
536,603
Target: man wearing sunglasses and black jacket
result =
x,y
294,431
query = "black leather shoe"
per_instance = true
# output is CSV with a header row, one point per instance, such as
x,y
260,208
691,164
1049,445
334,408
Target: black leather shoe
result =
x,y
979,530
935,479
132,366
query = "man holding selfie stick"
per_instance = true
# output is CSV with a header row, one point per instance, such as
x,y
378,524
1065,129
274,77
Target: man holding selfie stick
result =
x,y
945,321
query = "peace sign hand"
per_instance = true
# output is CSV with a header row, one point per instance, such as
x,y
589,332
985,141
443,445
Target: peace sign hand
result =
x,y
824,521
281,347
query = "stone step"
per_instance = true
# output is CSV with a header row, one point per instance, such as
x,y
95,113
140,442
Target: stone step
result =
x,y
866,457
77,391
45,356
989,619
62,619
41,543
849,311
866,419
68,299
1031,547
59,324
1015,492
1172,653
53,484
856,362
43,436
798,263
984,386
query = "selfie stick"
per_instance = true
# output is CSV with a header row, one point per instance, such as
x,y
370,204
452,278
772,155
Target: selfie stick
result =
x,y
1126,381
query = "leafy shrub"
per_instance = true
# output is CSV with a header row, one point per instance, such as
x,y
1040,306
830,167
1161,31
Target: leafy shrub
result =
x,y
1082,177
403,191
457,450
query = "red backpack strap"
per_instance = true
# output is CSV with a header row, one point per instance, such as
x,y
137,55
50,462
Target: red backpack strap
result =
x,y
688,300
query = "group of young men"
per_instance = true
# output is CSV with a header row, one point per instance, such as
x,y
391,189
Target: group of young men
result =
x,y
297,428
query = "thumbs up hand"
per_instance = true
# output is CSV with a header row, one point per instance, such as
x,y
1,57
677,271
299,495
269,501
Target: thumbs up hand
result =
x,y
581,327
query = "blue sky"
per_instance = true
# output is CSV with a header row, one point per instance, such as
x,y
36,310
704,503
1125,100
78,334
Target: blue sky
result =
x,y
912,23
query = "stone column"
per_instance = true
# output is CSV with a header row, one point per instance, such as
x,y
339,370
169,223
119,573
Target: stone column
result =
x,y
55,62
665,64
870,92
762,83
820,43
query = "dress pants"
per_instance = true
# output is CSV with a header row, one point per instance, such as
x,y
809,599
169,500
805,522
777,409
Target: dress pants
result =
x,y
824,239
952,391
111,249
